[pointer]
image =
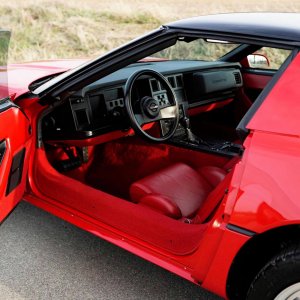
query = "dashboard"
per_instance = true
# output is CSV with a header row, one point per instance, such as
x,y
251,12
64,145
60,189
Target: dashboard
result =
x,y
100,108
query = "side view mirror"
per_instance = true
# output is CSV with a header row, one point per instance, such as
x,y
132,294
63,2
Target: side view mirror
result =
x,y
258,61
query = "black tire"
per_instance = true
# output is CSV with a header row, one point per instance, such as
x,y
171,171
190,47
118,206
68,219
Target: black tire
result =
x,y
280,273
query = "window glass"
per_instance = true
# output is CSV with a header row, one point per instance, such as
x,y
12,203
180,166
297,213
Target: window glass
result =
x,y
198,49
275,57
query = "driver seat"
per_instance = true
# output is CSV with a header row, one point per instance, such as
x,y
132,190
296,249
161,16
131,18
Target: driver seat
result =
x,y
182,192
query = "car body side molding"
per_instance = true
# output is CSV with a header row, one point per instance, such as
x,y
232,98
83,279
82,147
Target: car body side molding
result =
x,y
240,230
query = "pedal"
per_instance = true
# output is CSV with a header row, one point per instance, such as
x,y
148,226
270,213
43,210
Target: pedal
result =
x,y
68,164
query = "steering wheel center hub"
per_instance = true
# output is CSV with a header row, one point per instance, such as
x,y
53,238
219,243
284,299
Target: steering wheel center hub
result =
x,y
150,107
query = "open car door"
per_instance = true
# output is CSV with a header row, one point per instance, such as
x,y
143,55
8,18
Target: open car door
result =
x,y
15,141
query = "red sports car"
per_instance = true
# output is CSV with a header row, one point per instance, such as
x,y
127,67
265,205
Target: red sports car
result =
x,y
181,147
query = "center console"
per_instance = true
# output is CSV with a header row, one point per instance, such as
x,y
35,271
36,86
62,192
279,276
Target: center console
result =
x,y
184,137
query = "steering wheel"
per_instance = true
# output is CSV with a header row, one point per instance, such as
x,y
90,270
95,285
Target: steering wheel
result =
x,y
158,105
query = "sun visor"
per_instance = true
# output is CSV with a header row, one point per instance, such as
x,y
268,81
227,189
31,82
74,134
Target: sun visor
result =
x,y
4,43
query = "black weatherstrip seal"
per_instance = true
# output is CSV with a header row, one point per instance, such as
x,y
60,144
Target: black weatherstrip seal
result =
x,y
241,128
2,150
16,171
240,230
5,104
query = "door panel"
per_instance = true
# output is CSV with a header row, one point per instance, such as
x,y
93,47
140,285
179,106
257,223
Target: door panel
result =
x,y
255,81
15,144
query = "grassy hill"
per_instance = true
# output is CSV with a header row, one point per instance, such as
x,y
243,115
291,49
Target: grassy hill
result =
x,y
43,29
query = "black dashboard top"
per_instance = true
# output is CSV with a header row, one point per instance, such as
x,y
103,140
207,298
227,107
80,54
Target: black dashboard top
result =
x,y
163,67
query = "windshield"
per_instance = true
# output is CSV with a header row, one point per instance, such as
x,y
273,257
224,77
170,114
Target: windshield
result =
x,y
198,49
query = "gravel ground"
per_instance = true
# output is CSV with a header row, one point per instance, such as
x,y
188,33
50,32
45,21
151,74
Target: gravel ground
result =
x,y
43,257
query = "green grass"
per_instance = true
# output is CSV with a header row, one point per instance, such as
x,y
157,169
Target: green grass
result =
x,y
58,31
43,29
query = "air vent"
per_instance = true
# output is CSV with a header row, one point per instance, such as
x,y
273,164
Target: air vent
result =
x,y
172,81
237,77
179,81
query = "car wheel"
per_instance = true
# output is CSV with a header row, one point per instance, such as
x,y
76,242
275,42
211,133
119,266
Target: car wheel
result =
x,y
279,279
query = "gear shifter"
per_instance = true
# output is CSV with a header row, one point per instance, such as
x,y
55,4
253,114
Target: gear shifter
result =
x,y
214,145
186,125
191,137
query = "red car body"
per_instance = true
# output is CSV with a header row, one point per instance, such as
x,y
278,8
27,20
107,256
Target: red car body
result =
x,y
259,212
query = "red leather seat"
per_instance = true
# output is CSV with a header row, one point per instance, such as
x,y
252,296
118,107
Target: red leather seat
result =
x,y
177,191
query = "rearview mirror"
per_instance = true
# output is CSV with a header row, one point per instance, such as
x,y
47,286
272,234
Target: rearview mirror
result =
x,y
258,61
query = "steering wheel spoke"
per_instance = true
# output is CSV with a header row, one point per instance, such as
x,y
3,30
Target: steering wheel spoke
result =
x,y
169,112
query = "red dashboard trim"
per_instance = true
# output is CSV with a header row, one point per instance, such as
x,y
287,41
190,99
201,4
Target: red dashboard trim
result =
x,y
208,107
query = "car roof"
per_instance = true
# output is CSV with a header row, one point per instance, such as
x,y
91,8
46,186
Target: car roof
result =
x,y
283,26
